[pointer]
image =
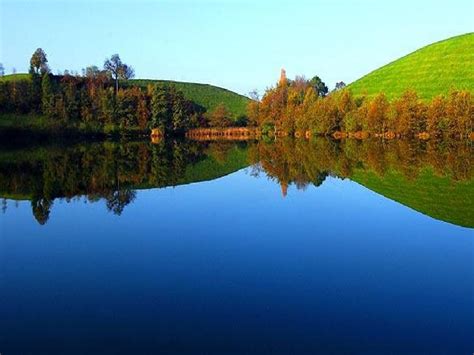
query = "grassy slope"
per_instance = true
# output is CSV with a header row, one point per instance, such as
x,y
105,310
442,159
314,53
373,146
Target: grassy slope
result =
x,y
206,95
435,196
15,77
431,70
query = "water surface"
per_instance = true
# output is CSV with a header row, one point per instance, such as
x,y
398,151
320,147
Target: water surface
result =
x,y
251,247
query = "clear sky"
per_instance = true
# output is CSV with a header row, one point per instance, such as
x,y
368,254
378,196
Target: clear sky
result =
x,y
237,44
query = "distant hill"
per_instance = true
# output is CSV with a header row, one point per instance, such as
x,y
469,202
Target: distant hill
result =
x,y
14,77
208,96
431,70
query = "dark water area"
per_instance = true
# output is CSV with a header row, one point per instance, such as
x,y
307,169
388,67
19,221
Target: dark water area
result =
x,y
286,246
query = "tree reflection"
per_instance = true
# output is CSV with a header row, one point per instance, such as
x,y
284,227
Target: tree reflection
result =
x,y
119,199
112,171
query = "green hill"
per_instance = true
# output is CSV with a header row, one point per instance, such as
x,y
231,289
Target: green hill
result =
x,y
431,70
15,77
208,96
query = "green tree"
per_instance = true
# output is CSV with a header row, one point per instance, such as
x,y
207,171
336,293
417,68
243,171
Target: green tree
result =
x,y
39,62
181,111
340,85
47,95
160,108
319,86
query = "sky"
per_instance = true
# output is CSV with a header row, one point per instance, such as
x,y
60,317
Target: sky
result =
x,y
237,44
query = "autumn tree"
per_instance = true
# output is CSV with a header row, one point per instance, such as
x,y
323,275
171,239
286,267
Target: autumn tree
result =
x,y
304,119
437,122
460,110
409,114
378,114
220,117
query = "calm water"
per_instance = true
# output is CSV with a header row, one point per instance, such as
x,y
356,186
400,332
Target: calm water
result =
x,y
270,247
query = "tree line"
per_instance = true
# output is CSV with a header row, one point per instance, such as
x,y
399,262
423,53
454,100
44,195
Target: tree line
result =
x,y
299,106
95,100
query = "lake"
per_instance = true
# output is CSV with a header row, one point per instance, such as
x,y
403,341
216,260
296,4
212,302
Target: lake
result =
x,y
288,246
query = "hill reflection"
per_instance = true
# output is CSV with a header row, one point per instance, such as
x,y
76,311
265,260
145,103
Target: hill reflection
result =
x,y
434,178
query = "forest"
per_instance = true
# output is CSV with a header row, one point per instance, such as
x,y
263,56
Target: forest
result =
x,y
101,100
299,107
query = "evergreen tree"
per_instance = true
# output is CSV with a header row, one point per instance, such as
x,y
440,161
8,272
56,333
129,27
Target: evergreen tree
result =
x,y
160,108
47,95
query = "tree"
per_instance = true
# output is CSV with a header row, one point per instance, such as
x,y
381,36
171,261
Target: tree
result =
x,y
2,70
254,95
460,110
437,122
160,108
39,62
377,114
340,85
46,95
179,111
220,117
409,114
319,86
91,71
118,70
119,199
41,209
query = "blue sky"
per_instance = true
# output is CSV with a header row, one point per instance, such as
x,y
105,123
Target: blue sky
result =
x,y
240,45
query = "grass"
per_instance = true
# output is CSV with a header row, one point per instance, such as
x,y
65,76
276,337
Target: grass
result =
x,y
432,70
15,77
208,96
205,95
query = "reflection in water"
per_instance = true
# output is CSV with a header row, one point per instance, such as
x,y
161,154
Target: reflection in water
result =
x,y
110,171
432,177
230,266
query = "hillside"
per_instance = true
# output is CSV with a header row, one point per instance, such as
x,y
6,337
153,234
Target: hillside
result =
x,y
14,77
208,96
431,70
